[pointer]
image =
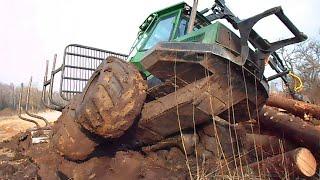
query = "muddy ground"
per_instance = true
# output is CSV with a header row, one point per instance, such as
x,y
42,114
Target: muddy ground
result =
x,y
11,125
20,159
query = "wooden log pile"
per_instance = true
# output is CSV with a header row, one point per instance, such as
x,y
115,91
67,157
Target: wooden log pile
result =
x,y
278,144
294,107
281,143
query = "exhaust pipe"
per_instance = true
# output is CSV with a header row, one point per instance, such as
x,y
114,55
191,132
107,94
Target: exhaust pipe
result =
x,y
192,16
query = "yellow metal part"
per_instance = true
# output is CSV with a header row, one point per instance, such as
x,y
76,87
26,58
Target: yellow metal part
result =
x,y
298,84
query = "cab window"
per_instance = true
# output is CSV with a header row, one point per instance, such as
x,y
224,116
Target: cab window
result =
x,y
182,29
161,32
183,24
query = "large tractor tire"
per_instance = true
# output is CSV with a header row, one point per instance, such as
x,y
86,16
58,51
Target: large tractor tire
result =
x,y
112,99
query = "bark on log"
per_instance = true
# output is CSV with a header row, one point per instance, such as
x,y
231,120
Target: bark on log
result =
x,y
69,140
291,127
295,107
265,146
188,144
299,161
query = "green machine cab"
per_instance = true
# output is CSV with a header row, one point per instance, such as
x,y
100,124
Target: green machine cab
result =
x,y
170,24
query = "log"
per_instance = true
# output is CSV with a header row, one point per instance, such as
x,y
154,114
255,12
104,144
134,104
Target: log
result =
x,y
299,161
266,146
291,127
295,107
68,138
188,144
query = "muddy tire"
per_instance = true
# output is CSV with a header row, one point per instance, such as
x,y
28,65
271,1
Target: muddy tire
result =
x,y
112,99
69,139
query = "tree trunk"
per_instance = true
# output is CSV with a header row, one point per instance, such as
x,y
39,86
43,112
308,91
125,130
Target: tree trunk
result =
x,y
291,127
295,107
68,139
265,146
299,161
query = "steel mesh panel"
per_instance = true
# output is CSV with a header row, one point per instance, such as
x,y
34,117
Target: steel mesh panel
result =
x,y
79,62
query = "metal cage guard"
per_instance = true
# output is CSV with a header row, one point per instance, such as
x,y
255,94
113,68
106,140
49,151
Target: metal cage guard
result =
x,y
79,63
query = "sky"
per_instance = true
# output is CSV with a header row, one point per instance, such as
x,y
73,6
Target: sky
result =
x,y
32,31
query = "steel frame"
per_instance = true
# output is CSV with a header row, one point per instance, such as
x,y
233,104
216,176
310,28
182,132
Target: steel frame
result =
x,y
79,63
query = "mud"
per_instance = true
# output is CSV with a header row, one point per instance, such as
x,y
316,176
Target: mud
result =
x,y
16,166
69,139
20,159
112,99
215,152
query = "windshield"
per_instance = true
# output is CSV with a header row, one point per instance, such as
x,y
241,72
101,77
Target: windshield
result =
x,y
161,32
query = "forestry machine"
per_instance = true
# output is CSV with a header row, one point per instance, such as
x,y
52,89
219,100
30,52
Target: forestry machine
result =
x,y
184,68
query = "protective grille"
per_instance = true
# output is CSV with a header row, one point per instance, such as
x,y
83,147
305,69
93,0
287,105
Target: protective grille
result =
x,y
79,62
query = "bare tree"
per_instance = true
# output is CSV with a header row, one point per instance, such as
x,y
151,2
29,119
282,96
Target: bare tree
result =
x,y
9,94
304,59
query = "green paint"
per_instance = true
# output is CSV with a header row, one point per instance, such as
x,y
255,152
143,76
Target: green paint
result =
x,y
171,18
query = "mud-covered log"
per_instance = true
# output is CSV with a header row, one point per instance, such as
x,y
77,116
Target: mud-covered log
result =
x,y
225,141
291,127
250,127
295,107
112,98
299,161
185,142
69,140
265,145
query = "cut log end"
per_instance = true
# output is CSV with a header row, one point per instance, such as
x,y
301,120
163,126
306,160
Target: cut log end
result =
x,y
296,162
306,162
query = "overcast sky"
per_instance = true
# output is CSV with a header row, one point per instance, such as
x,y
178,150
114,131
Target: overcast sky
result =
x,y
33,30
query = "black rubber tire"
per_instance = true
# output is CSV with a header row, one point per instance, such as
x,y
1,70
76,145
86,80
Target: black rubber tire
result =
x,y
112,99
